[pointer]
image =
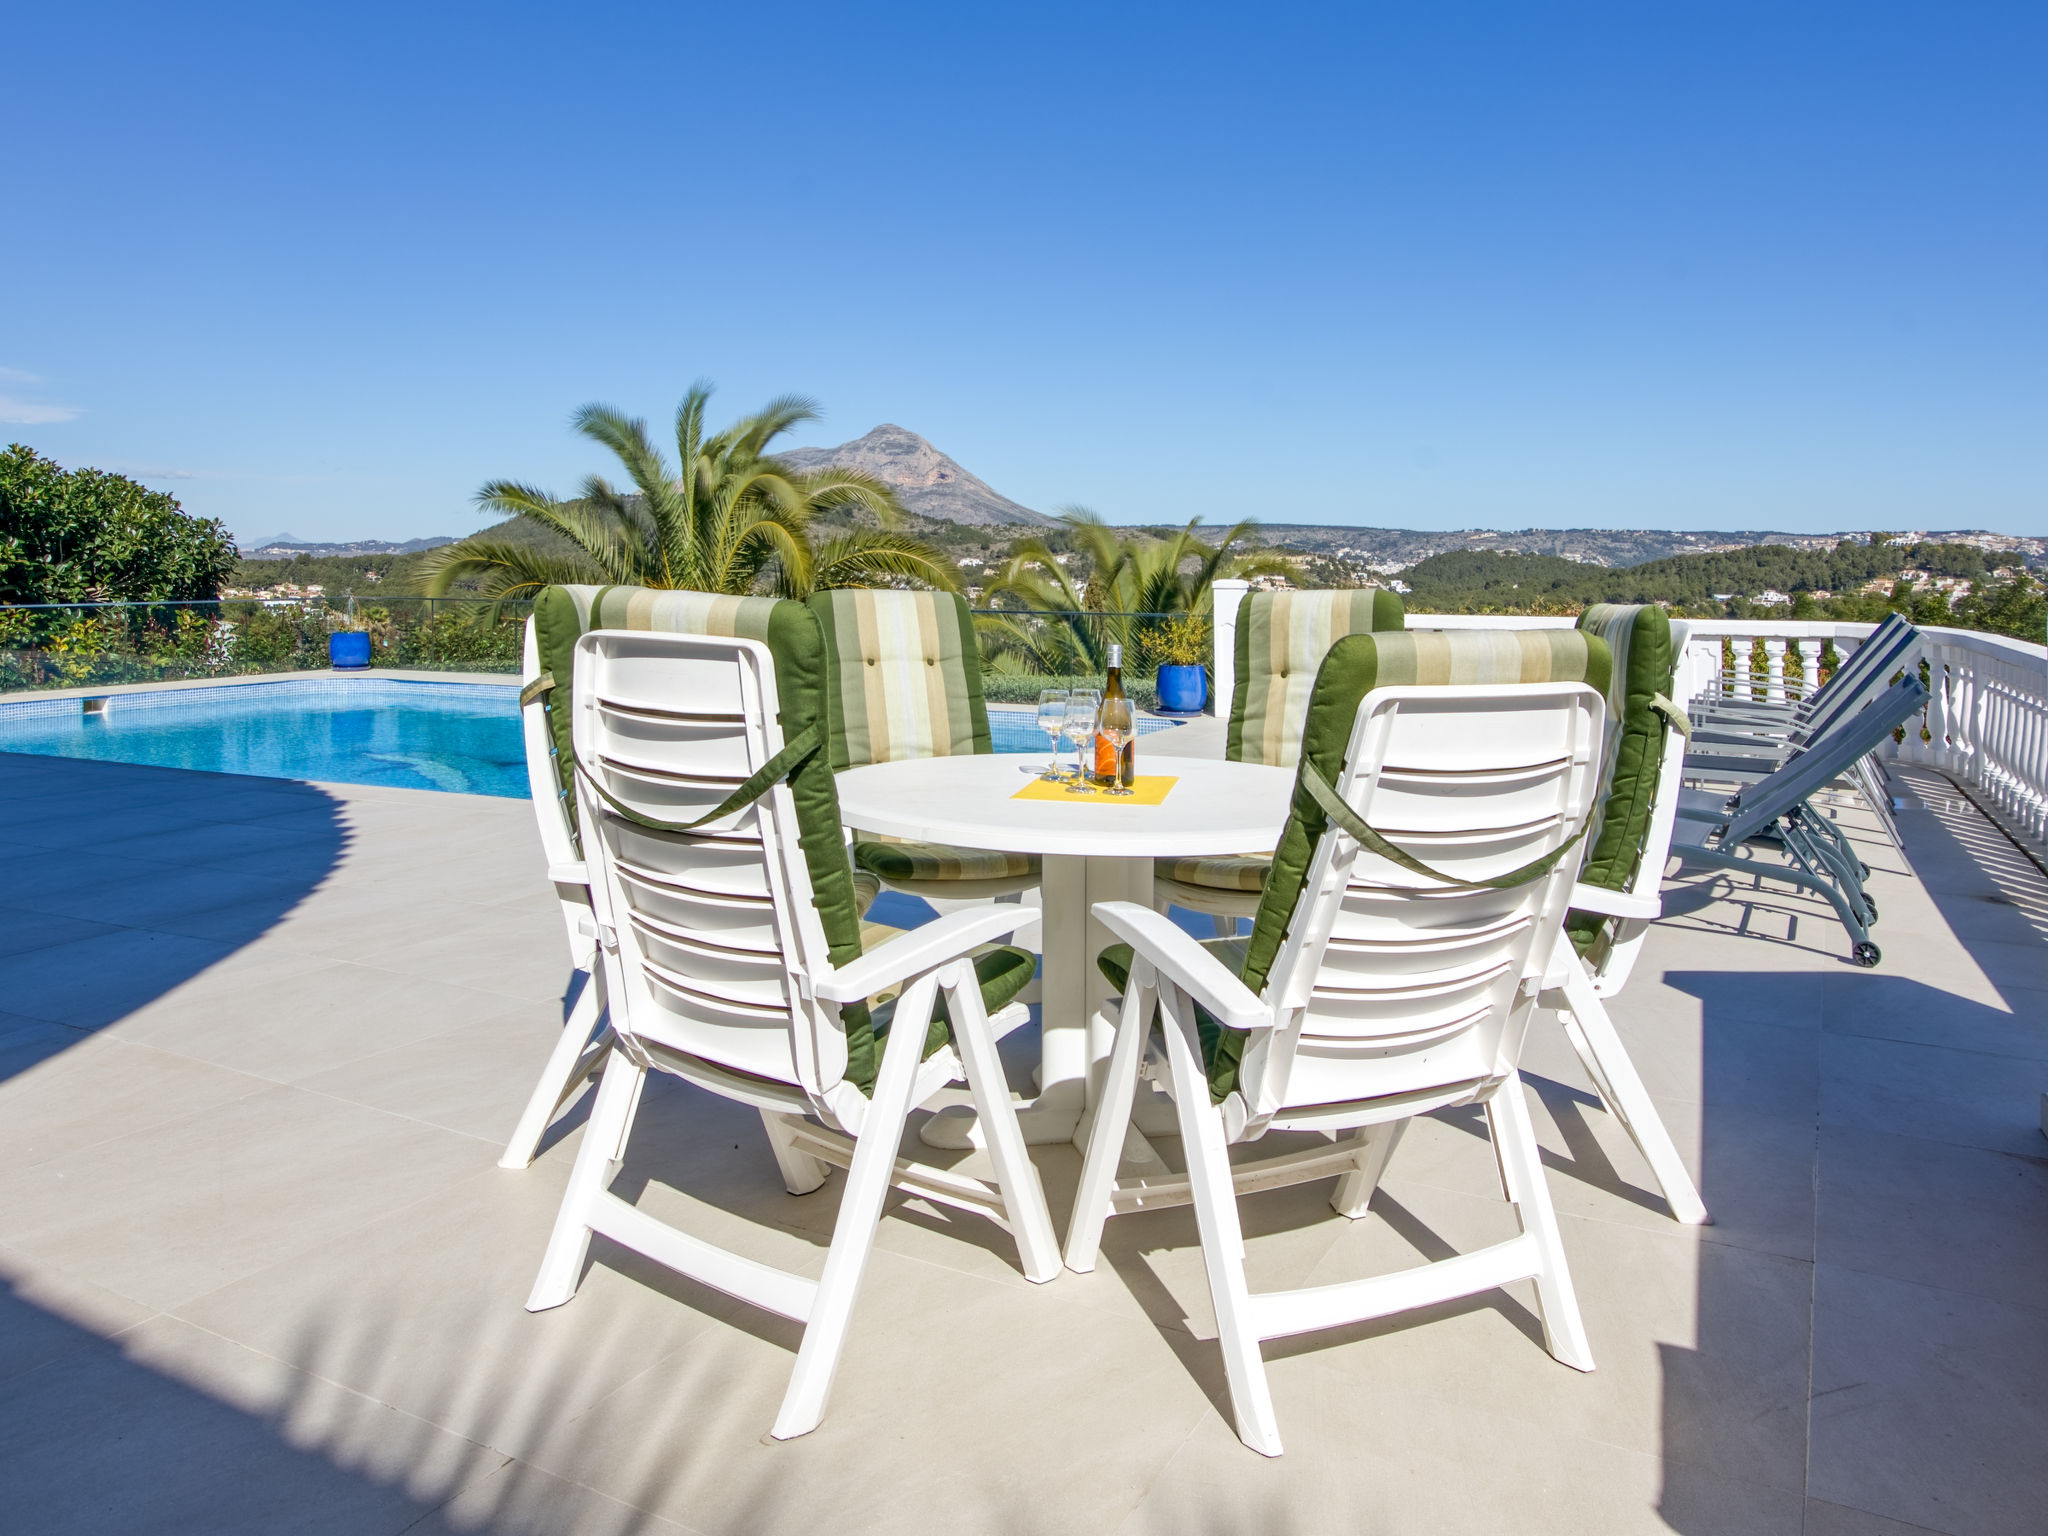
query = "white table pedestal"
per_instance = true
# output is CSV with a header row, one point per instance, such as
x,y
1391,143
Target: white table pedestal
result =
x,y
1091,853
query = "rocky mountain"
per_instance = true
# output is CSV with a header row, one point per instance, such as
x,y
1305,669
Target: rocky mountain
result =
x,y
925,480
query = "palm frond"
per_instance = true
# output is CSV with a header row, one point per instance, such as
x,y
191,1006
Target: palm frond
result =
x,y
503,569
858,557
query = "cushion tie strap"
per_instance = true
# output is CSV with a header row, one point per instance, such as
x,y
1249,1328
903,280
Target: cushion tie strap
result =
x,y
763,779
1344,816
539,688
1673,715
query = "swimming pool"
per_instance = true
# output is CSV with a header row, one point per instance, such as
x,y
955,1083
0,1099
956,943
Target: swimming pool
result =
x,y
460,737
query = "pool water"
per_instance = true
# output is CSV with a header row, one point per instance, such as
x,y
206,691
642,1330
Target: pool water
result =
x,y
460,737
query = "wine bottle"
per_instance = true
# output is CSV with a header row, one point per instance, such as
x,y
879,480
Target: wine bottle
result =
x,y
1110,764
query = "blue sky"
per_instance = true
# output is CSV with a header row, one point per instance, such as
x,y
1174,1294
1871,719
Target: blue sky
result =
x,y
1690,265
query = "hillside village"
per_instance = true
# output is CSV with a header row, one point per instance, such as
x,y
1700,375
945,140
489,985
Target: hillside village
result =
x,y
1734,573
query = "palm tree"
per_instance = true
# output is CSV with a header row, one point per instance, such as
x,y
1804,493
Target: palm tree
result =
x,y
1128,580
728,517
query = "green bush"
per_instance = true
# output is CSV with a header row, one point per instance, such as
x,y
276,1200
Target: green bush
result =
x,y
1014,688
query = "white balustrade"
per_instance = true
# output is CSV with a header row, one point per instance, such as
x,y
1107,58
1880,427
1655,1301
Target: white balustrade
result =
x,y
1986,724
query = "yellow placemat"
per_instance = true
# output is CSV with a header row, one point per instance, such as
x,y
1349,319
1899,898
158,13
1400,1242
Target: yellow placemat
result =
x,y
1146,789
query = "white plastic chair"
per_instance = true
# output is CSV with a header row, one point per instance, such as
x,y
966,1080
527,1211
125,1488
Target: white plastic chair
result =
x,y
1391,995
1577,986
717,970
580,1048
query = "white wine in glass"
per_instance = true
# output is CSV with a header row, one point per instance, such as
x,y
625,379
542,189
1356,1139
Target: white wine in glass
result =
x,y
1052,719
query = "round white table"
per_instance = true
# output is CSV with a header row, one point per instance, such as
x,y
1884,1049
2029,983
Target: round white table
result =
x,y
1092,851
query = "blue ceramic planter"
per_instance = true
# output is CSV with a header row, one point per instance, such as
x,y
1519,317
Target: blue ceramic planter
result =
x,y
348,648
1183,690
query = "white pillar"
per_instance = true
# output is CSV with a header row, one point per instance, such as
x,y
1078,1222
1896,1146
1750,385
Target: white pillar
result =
x,y
1774,671
1225,596
1809,668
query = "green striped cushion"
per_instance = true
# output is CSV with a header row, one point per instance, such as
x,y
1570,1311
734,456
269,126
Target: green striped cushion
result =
x,y
1639,636
892,860
1282,638
905,676
1227,872
1356,665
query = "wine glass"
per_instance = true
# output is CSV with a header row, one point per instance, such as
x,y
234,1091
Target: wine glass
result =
x,y
1052,715
1116,726
1078,725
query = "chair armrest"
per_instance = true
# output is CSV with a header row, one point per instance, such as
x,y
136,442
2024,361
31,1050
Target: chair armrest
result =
x,y
569,874
1593,898
924,949
1185,963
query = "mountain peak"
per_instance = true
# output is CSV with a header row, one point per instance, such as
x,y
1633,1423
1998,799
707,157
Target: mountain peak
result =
x,y
927,482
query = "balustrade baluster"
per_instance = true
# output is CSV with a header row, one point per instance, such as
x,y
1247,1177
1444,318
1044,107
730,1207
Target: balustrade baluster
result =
x,y
1774,671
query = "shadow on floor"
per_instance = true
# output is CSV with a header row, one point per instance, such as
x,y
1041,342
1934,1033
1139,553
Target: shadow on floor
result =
x,y
121,883
1914,1112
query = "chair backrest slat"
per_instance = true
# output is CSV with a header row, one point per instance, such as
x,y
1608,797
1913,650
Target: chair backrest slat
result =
x,y
1390,983
713,925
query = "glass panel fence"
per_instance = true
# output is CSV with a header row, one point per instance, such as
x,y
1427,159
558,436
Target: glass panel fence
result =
x,y
90,645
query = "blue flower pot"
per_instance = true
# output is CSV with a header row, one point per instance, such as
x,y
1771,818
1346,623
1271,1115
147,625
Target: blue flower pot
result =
x,y
1183,690
348,648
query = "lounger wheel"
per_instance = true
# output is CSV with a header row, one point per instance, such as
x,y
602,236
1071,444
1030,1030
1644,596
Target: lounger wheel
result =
x,y
1870,909
1866,953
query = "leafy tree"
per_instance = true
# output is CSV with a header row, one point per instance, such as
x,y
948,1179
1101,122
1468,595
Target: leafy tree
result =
x,y
85,535
727,517
1120,577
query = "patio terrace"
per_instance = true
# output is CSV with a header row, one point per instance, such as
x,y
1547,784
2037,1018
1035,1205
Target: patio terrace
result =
x,y
261,1041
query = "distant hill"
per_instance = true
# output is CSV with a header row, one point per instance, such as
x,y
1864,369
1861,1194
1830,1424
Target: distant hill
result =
x,y
925,480
1391,549
287,547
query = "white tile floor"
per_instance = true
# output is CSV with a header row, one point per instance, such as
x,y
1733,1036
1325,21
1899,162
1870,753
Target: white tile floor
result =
x,y
259,1042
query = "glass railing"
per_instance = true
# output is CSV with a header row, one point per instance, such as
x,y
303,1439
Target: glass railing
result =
x,y
1024,651
91,645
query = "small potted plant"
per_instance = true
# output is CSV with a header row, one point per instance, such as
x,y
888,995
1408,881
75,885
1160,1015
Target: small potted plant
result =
x,y
348,647
1182,645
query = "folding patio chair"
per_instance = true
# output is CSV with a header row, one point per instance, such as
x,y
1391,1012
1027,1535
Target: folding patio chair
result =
x,y
1716,829
1740,746
734,960
1882,652
1415,897
560,616
905,682
1282,638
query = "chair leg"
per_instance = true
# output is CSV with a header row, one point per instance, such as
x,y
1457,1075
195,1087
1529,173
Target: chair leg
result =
x,y
1112,1117
860,1208
1521,1170
1376,1143
604,1139
1226,927
577,1053
1215,1200
1038,1251
801,1173
1607,1059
